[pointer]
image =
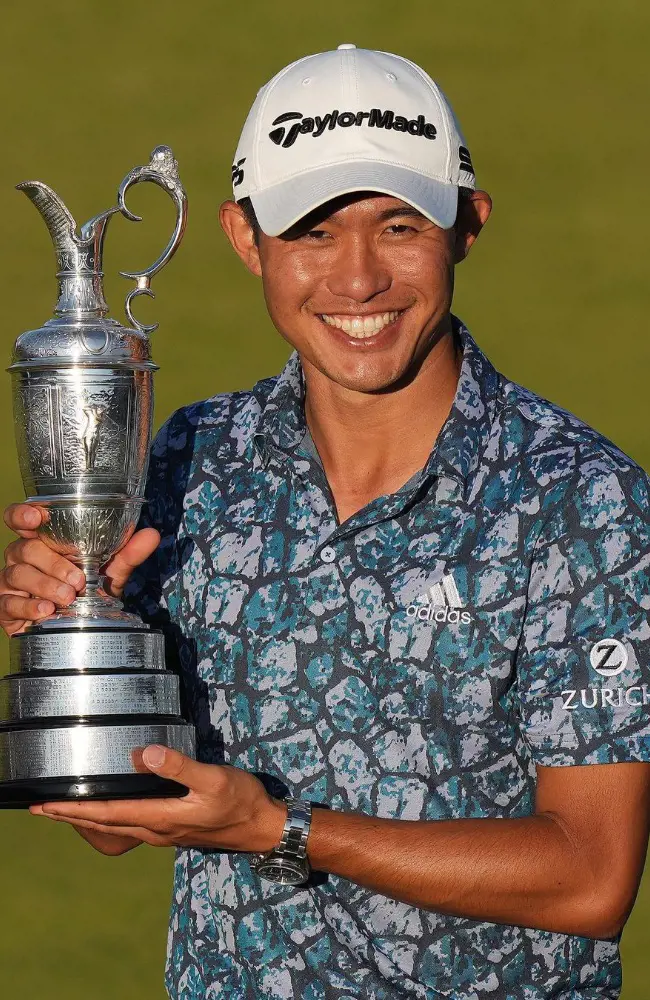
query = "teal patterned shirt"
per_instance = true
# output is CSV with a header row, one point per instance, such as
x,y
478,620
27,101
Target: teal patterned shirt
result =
x,y
415,662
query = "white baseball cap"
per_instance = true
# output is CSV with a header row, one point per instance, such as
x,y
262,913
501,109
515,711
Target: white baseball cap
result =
x,y
344,121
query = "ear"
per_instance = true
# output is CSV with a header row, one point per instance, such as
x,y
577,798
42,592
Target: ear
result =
x,y
473,214
242,238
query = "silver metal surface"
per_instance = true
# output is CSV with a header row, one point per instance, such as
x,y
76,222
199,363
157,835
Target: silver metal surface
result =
x,y
80,650
83,403
83,394
83,751
84,695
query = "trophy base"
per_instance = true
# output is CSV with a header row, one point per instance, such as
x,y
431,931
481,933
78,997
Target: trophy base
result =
x,y
77,709
22,794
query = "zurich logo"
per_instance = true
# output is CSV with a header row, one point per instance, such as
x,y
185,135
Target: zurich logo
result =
x,y
608,657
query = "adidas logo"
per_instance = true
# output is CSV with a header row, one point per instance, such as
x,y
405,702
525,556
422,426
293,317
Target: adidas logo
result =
x,y
441,603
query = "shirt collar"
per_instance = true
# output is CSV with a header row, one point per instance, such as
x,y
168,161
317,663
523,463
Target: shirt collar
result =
x,y
460,444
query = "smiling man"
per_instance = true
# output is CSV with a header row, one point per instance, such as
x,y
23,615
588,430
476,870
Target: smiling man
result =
x,y
403,590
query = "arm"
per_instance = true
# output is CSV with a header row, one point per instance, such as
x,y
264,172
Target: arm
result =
x,y
573,867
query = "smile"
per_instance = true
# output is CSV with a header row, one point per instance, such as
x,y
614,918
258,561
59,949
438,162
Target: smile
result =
x,y
361,327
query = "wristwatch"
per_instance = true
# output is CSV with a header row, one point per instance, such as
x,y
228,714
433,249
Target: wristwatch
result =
x,y
288,863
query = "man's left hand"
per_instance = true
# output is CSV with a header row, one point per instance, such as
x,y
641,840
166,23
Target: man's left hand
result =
x,y
226,808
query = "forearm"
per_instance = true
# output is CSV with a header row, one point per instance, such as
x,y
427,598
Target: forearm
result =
x,y
523,871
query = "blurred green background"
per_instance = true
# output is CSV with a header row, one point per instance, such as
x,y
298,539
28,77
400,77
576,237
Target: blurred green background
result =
x,y
553,100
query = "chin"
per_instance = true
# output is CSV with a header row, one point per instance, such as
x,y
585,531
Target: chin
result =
x,y
363,379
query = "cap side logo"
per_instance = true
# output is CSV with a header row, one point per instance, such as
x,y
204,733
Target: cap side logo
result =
x,y
375,118
465,159
238,172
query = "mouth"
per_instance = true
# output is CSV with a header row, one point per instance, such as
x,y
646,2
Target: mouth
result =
x,y
361,327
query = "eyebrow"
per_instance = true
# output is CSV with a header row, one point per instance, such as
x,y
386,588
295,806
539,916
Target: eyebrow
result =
x,y
406,211
316,218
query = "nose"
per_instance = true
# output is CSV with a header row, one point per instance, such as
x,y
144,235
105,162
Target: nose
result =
x,y
358,273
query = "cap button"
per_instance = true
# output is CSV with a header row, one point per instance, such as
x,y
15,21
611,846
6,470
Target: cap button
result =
x,y
346,45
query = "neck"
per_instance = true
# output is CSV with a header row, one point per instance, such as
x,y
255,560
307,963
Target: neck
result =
x,y
372,443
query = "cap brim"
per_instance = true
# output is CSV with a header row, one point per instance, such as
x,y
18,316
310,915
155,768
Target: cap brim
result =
x,y
279,207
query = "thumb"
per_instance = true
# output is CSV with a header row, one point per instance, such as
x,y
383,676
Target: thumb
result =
x,y
138,548
170,763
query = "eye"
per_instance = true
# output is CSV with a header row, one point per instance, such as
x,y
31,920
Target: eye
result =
x,y
317,235
399,228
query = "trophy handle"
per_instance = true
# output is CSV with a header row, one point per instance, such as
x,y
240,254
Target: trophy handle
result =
x,y
163,171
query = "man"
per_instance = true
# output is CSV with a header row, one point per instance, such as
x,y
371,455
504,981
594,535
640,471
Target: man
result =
x,y
402,589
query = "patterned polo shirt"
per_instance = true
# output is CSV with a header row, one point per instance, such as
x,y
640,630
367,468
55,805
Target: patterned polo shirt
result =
x,y
415,662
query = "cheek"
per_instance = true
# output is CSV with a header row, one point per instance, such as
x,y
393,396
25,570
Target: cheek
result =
x,y
429,273
289,280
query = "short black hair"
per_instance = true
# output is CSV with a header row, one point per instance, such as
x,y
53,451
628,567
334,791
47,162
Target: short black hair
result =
x,y
246,205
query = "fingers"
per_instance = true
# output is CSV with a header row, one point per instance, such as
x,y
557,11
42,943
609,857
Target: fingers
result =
x,y
34,580
23,518
117,815
36,553
27,579
139,547
109,839
107,843
172,764
17,610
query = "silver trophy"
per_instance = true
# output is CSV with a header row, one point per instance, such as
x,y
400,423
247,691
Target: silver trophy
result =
x,y
88,685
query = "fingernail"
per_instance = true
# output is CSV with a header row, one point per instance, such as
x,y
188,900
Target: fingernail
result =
x,y
154,756
44,607
76,578
32,517
63,592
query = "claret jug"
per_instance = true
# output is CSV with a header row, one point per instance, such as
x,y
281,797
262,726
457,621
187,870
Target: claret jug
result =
x,y
88,685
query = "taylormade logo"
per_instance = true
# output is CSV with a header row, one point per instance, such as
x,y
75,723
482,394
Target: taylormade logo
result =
x,y
441,603
291,124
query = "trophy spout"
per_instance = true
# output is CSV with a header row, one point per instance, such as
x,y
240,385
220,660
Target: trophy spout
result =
x,y
55,214
79,258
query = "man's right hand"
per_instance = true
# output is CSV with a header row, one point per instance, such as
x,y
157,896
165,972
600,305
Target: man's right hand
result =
x,y
35,579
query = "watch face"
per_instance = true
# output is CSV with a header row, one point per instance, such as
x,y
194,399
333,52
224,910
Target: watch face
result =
x,y
282,871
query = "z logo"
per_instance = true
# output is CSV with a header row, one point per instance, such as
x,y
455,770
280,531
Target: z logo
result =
x,y
608,657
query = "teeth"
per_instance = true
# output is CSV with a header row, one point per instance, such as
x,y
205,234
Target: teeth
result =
x,y
361,327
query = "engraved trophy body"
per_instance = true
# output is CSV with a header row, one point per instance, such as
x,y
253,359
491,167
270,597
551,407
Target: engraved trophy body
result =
x,y
88,685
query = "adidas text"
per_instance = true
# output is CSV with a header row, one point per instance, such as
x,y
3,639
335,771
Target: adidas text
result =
x,y
291,124
431,613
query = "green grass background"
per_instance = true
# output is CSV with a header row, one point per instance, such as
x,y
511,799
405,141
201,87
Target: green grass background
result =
x,y
553,99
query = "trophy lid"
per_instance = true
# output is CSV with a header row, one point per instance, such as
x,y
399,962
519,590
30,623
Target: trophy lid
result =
x,y
81,334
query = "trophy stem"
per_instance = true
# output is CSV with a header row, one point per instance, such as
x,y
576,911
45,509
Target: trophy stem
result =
x,y
93,608
91,570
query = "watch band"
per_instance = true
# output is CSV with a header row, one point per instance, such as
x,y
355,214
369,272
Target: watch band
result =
x,y
293,843
296,828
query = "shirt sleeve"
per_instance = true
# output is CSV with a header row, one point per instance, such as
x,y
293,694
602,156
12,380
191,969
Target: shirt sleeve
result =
x,y
583,661
144,593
